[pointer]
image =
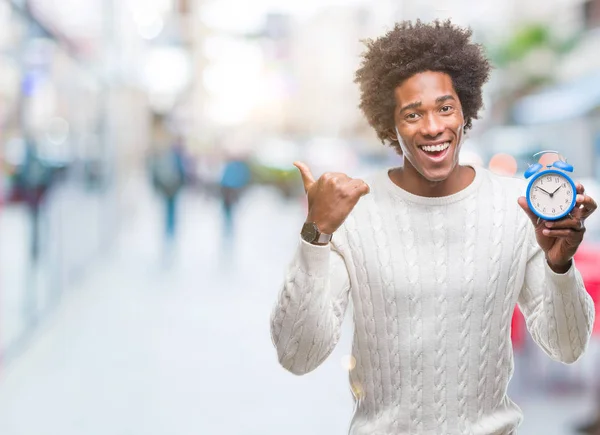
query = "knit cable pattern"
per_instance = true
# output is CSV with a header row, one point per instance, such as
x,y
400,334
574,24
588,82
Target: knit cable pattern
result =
x,y
368,316
572,323
326,323
552,330
391,308
488,307
542,325
440,271
300,321
416,314
466,309
508,305
574,334
283,305
589,309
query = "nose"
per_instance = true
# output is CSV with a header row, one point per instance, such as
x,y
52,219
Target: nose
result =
x,y
432,126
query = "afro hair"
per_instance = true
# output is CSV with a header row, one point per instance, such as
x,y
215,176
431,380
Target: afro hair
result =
x,y
409,49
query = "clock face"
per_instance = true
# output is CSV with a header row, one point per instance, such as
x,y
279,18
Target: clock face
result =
x,y
551,195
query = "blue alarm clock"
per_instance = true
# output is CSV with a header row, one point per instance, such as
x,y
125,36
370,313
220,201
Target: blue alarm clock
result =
x,y
551,193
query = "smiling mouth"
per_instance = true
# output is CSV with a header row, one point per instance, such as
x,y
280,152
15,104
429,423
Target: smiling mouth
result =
x,y
435,151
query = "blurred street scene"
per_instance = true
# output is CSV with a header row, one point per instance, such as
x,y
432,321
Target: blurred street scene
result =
x,y
149,206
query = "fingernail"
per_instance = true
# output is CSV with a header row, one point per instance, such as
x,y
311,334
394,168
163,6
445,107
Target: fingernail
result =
x,y
546,232
549,224
579,198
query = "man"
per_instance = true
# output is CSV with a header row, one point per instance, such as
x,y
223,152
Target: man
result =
x,y
434,255
168,170
234,180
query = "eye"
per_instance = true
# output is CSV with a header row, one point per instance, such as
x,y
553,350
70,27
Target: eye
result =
x,y
446,109
411,116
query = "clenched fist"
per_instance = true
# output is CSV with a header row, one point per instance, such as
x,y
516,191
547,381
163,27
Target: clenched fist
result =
x,y
331,198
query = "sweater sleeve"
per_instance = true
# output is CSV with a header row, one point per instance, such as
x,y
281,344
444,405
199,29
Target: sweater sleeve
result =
x,y
307,317
558,310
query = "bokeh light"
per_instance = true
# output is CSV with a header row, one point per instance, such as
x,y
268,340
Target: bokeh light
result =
x,y
348,363
58,130
503,164
548,158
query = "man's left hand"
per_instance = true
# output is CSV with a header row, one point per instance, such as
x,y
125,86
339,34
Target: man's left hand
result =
x,y
560,239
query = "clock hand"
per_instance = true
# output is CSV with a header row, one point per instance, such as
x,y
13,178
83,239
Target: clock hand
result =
x,y
556,190
547,193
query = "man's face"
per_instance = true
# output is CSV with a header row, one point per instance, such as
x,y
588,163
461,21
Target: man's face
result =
x,y
430,123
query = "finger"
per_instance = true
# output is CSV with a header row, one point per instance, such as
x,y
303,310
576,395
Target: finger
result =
x,y
572,235
586,204
367,189
361,187
523,203
307,176
566,223
579,188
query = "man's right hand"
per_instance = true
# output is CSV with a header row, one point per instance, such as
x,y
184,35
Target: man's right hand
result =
x,y
331,198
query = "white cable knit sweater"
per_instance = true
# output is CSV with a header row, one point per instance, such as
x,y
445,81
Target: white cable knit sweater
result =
x,y
434,282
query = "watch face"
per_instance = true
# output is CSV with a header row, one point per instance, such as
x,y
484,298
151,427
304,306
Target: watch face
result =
x,y
551,195
309,232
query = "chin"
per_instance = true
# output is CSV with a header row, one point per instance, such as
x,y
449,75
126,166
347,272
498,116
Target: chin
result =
x,y
435,176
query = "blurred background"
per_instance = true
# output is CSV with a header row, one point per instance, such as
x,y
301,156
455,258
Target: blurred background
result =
x,y
149,206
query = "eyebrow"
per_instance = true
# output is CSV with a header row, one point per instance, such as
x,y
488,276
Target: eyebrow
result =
x,y
438,100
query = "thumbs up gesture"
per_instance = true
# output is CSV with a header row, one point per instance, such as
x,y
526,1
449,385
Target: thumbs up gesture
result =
x,y
331,198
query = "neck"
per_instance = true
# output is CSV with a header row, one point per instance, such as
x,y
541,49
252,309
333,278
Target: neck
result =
x,y
409,179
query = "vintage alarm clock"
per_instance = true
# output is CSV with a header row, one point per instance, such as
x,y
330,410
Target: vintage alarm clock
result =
x,y
551,193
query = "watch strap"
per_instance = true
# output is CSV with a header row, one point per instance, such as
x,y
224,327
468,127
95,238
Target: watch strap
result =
x,y
311,234
323,238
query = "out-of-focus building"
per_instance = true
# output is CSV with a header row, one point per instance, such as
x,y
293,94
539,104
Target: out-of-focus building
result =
x,y
275,72
561,112
274,69
324,54
80,83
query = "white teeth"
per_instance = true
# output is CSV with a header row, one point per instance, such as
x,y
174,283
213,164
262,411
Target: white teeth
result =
x,y
435,148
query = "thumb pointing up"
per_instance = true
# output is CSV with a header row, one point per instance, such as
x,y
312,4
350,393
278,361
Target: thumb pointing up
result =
x,y
307,176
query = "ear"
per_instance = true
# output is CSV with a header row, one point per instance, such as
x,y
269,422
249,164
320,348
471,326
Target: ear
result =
x,y
391,136
391,133
466,125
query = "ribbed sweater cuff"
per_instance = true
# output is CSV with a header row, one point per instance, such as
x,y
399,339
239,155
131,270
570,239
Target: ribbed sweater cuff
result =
x,y
314,258
562,282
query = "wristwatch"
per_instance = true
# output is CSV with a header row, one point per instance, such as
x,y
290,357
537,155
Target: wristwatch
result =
x,y
311,234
